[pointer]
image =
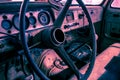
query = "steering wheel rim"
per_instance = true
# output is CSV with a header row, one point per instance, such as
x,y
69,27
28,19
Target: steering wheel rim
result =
x,y
94,43
26,49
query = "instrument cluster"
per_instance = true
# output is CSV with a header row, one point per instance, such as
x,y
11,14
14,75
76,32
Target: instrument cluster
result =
x,y
9,23
76,18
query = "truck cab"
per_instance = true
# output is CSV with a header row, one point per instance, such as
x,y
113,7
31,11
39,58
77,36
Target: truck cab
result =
x,y
59,39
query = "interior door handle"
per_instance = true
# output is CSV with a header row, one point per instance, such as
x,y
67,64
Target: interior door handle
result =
x,y
116,15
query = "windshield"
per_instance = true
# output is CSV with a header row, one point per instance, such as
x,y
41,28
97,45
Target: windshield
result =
x,y
87,2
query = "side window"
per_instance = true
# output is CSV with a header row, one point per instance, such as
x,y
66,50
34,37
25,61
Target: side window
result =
x,y
86,2
115,4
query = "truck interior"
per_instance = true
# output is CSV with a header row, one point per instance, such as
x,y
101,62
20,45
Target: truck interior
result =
x,y
59,39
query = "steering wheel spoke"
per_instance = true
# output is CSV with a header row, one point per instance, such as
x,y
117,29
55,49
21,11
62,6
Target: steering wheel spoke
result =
x,y
58,22
64,56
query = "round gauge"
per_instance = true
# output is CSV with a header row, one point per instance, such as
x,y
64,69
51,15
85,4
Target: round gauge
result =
x,y
44,18
32,20
6,24
16,22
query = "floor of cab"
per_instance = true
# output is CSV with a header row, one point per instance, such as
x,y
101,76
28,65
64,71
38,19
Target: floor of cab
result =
x,y
101,61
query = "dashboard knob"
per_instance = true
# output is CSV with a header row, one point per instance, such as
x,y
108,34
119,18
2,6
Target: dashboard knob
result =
x,y
6,24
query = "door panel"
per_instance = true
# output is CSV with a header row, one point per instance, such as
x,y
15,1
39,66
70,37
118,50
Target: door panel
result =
x,y
111,28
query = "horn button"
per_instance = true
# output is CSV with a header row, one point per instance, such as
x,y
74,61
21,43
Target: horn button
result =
x,y
53,37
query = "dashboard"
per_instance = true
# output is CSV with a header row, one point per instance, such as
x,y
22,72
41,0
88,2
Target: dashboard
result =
x,y
41,16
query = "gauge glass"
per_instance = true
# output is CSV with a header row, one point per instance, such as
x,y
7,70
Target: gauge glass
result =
x,y
16,22
32,20
44,18
6,24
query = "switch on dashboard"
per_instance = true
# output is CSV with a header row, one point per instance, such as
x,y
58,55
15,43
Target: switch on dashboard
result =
x,y
71,25
80,16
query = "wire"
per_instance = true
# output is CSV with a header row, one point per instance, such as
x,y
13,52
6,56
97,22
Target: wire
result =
x,y
8,34
6,71
22,64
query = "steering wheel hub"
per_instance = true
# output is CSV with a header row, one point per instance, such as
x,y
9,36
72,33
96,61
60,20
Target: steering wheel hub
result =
x,y
52,37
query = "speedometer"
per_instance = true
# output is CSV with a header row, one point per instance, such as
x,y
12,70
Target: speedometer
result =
x,y
16,21
44,18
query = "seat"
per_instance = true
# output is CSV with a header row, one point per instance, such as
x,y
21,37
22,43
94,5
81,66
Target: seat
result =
x,y
101,61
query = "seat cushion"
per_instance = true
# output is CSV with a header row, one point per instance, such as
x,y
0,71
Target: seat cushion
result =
x,y
101,61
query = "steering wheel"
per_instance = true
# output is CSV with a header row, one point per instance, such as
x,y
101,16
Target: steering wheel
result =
x,y
55,42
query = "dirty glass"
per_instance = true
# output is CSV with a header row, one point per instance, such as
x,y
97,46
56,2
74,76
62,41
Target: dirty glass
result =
x,y
115,4
87,2
92,2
